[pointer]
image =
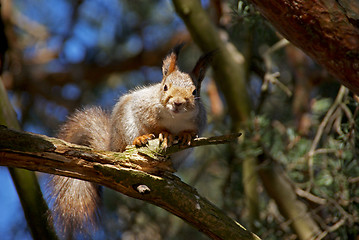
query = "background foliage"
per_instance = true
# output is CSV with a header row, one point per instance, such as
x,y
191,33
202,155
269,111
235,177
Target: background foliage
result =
x,y
66,54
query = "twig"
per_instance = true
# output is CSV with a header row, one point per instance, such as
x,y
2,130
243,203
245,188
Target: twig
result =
x,y
310,155
202,141
324,122
269,76
311,197
353,180
331,229
324,151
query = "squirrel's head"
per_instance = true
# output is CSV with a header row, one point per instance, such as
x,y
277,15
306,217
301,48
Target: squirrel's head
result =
x,y
180,92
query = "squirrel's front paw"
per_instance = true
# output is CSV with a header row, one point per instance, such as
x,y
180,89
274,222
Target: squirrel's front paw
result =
x,y
166,139
143,140
185,137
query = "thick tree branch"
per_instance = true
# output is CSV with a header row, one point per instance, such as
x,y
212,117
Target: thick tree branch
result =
x,y
326,30
281,189
129,172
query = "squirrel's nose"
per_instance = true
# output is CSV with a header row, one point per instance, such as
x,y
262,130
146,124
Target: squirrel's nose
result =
x,y
178,103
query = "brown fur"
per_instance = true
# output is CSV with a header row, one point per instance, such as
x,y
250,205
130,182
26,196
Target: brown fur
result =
x,y
76,202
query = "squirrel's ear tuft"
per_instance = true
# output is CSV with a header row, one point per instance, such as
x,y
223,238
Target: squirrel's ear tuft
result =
x,y
202,64
170,62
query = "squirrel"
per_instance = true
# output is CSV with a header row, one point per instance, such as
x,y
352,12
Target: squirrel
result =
x,y
170,110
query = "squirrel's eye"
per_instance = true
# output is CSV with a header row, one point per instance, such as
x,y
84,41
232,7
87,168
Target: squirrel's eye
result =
x,y
165,88
194,92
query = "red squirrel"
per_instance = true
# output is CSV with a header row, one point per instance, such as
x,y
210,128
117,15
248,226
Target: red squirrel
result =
x,y
169,110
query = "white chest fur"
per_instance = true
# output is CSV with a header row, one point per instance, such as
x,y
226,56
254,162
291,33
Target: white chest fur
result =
x,y
178,122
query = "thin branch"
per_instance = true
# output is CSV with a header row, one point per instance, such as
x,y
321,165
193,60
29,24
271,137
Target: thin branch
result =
x,y
309,196
331,228
202,141
123,172
272,77
353,180
269,76
310,155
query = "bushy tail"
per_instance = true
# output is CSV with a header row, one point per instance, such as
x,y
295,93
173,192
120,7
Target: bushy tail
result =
x,y
75,203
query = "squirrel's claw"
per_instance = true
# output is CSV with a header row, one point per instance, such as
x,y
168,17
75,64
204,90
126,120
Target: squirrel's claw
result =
x,y
166,139
143,140
185,138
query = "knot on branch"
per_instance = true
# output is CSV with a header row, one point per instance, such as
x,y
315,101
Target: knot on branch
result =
x,y
141,188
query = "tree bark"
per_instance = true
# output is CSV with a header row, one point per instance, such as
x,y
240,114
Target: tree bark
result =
x,y
326,30
142,173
